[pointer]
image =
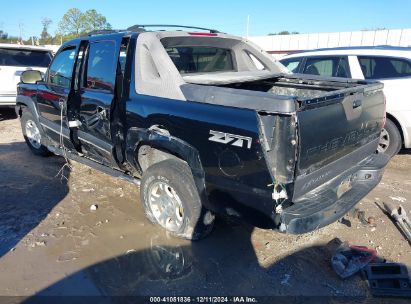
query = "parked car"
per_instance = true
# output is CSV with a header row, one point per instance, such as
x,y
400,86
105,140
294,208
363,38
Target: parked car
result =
x,y
14,59
390,65
207,129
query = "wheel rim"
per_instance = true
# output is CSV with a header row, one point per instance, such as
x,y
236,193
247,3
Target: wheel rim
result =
x,y
166,205
384,141
33,134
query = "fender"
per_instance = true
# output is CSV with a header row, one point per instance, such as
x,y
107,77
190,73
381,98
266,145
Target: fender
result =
x,y
28,102
22,100
400,121
136,137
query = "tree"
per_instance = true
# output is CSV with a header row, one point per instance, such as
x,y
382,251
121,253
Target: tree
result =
x,y
283,33
72,22
75,22
95,21
374,29
45,36
3,35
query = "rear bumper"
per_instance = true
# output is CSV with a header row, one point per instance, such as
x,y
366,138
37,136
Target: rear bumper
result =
x,y
324,206
7,99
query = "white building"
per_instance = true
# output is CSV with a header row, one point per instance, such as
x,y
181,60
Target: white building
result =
x,y
279,45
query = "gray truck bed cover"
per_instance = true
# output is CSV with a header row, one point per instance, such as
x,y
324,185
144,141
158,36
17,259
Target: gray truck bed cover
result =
x,y
221,78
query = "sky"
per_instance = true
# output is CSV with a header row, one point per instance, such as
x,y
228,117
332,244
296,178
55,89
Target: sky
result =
x,y
227,16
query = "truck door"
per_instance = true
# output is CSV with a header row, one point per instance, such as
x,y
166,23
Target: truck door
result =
x,y
54,93
97,94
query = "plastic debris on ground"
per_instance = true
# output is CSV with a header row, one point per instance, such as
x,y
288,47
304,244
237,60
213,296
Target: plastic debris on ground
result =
x,y
388,279
349,259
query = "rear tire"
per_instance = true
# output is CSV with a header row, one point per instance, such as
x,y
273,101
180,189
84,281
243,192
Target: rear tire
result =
x,y
170,198
390,139
32,133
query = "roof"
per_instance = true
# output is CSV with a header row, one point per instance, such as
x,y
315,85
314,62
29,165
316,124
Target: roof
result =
x,y
160,34
141,28
381,50
24,47
375,47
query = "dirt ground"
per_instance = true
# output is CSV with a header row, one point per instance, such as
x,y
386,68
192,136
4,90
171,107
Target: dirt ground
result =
x,y
51,243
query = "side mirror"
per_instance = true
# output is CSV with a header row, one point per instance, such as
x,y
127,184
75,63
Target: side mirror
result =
x,y
31,76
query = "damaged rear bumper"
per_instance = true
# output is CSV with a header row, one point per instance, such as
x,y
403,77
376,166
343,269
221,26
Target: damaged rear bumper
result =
x,y
325,205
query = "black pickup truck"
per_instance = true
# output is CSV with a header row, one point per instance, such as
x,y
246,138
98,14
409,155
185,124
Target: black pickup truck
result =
x,y
208,123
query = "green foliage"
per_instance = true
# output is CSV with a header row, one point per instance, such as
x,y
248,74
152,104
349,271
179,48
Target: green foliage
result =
x,y
45,37
71,23
5,38
75,23
374,29
3,35
283,33
95,21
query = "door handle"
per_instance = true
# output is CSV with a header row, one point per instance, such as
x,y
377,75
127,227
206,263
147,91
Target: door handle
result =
x,y
356,103
61,102
93,120
102,111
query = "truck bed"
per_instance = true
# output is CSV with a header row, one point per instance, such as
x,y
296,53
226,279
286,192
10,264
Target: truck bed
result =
x,y
334,122
270,91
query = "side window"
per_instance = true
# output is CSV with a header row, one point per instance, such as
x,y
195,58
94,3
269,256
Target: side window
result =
x,y
61,69
384,67
256,62
101,66
343,69
292,64
325,66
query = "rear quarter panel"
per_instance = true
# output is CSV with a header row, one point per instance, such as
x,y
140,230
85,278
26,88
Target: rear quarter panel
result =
x,y
235,176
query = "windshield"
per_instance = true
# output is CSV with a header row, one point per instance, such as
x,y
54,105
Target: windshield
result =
x,y
25,58
200,59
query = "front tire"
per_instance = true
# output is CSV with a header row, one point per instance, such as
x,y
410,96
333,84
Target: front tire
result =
x,y
390,139
170,198
33,134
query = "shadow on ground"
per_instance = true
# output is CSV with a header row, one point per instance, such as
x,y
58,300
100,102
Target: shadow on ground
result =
x,y
28,191
7,113
223,264
405,151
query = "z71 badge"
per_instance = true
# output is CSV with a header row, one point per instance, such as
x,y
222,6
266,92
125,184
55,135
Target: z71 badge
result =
x,y
227,138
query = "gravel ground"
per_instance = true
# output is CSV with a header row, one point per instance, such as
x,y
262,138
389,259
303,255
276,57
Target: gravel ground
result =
x,y
51,243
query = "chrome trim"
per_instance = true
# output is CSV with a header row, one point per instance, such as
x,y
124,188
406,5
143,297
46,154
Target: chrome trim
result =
x,y
81,138
93,144
55,131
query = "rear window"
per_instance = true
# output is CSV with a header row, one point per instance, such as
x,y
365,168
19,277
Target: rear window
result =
x,y
25,58
193,59
384,67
